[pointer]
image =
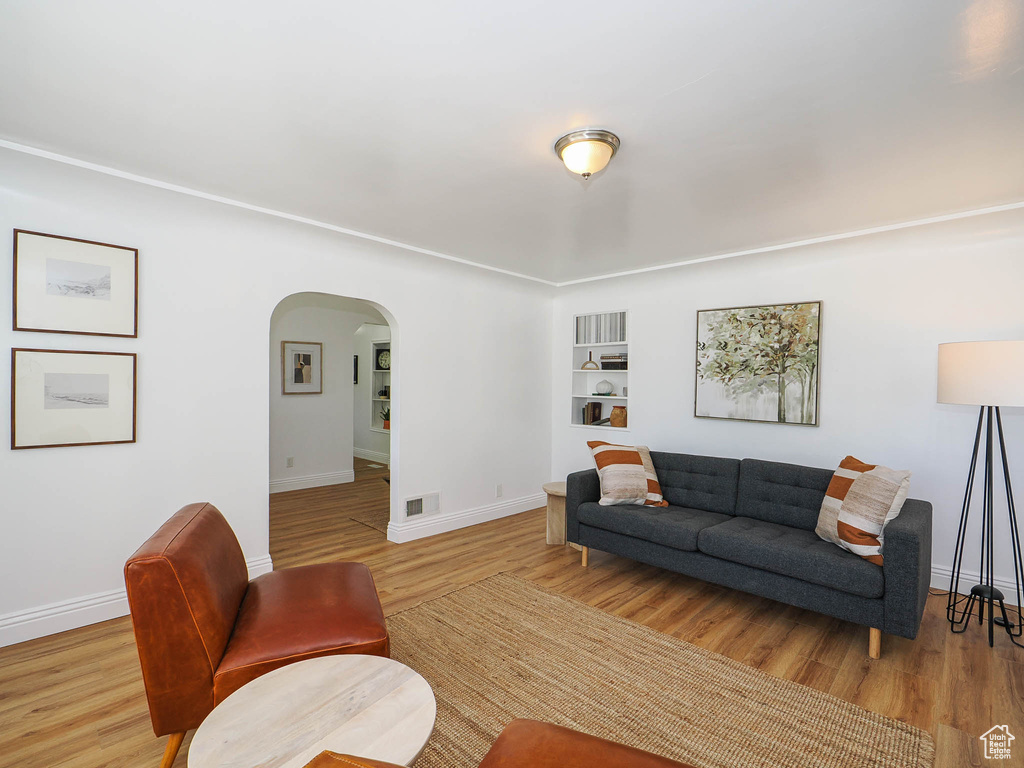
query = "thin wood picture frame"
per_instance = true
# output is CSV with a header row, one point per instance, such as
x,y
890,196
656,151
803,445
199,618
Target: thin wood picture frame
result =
x,y
302,368
737,374
75,286
63,397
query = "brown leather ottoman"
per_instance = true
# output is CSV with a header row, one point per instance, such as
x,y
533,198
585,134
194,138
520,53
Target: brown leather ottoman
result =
x,y
532,744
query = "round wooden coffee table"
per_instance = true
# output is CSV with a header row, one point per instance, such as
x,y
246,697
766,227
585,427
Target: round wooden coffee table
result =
x,y
367,706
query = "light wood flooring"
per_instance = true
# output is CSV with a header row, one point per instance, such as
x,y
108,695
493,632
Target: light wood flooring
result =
x,y
76,699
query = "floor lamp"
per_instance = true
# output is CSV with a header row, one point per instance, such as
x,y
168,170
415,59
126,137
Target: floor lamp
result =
x,y
988,374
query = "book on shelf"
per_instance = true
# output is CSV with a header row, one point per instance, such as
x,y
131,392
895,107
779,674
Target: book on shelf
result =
x,y
591,413
615,362
609,327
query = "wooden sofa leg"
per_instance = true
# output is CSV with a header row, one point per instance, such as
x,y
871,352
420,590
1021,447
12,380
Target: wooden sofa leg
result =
x,y
171,752
875,643
586,555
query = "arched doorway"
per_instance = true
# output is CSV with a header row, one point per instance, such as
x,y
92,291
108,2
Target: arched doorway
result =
x,y
333,372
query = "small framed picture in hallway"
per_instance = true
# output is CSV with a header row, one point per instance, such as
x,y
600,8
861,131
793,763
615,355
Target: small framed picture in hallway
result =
x,y
301,368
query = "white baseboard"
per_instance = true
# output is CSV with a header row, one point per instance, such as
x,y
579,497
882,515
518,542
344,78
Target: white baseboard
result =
x,y
259,565
380,456
50,619
420,528
941,575
28,624
312,481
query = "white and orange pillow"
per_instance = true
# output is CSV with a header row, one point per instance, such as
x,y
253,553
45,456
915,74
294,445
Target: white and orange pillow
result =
x,y
627,475
860,501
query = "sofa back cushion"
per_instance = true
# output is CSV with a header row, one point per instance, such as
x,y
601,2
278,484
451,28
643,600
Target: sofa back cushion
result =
x,y
699,482
788,494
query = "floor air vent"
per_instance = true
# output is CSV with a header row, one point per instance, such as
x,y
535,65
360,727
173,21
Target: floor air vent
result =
x,y
427,504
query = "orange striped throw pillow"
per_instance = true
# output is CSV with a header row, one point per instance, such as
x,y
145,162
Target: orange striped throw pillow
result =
x,y
859,503
627,475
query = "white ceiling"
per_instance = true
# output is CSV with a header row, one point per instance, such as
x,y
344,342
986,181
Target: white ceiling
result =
x,y
743,123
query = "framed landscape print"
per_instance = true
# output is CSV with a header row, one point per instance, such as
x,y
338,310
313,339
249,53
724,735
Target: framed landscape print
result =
x,y
62,398
301,368
759,363
65,285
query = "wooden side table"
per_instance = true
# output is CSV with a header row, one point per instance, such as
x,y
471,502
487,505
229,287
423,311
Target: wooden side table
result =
x,y
556,512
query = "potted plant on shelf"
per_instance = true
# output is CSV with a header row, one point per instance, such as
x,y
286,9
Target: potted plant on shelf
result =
x,y
385,414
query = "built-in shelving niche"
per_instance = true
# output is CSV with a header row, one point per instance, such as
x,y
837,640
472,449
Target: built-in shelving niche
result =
x,y
602,339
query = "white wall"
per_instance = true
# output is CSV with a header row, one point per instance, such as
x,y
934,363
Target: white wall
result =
x,y
474,404
315,431
888,301
369,443
210,277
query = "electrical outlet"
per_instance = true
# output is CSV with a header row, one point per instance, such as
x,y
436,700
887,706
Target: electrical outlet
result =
x,y
289,462
498,492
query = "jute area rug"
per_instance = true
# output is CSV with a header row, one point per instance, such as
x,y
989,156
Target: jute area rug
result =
x,y
504,648
376,519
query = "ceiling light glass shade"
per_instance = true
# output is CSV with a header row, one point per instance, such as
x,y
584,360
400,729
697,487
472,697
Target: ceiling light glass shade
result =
x,y
587,157
982,373
587,152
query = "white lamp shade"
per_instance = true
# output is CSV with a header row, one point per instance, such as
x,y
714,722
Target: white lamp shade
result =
x,y
982,373
587,156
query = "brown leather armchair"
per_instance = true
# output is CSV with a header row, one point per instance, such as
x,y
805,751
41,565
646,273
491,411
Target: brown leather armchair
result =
x,y
203,630
532,744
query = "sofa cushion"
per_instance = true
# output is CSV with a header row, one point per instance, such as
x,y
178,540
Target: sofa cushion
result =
x,y
860,501
787,494
675,527
791,552
627,474
698,482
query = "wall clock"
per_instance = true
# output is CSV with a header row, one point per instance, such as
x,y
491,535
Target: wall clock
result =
x,y
384,359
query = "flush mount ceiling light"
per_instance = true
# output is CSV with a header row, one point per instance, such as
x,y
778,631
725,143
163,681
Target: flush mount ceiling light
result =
x,y
587,151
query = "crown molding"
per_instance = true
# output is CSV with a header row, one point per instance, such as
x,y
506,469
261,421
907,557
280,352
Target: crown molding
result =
x,y
28,150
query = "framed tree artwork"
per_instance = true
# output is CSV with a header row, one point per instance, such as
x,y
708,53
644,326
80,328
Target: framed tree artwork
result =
x,y
66,285
759,363
62,398
301,368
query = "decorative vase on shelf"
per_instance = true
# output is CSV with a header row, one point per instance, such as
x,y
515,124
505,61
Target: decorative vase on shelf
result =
x,y
604,387
618,416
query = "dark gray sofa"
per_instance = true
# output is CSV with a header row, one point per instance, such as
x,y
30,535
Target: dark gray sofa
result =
x,y
750,525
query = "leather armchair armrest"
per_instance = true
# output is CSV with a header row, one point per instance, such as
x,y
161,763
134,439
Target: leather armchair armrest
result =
x,y
907,567
580,487
531,744
334,760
